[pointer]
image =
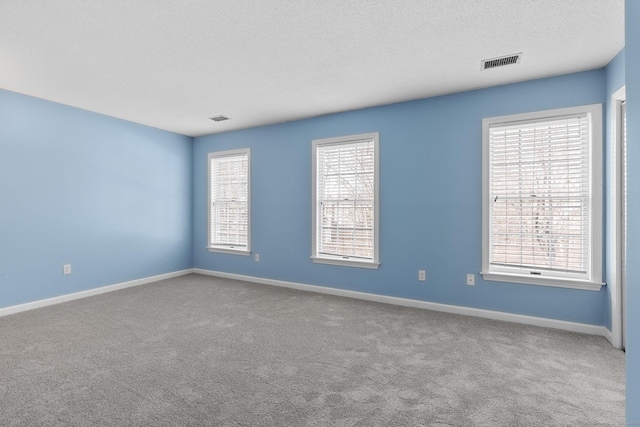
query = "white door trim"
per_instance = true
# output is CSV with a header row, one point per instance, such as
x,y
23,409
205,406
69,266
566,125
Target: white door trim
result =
x,y
617,209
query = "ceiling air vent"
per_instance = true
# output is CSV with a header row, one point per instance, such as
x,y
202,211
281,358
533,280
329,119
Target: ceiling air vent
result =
x,y
503,60
219,118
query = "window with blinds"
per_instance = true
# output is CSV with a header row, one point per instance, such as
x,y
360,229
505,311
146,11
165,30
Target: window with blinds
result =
x,y
229,216
345,176
542,198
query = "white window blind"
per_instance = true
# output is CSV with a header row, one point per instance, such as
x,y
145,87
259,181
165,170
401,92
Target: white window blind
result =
x,y
345,198
541,215
229,200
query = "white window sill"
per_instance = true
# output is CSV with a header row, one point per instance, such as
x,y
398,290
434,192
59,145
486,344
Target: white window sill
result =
x,y
227,250
543,281
351,262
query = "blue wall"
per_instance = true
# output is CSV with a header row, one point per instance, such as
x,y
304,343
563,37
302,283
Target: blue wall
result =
x,y
430,199
632,64
110,197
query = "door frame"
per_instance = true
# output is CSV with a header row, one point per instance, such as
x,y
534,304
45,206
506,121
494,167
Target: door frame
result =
x,y
617,220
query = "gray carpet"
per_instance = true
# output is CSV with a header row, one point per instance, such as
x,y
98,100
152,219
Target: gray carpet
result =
x,y
200,351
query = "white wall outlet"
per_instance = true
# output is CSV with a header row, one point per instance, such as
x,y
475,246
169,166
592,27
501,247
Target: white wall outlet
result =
x,y
422,275
257,257
66,269
471,279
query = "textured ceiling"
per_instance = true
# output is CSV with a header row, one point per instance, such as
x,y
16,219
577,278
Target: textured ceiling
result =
x,y
172,64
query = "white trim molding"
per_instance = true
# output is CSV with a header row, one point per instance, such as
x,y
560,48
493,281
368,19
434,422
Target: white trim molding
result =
x,y
404,302
615,231
426,305
89,293
610,337
543,281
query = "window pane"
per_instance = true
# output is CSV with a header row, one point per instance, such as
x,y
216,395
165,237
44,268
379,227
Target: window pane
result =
x,y
229,199
540,194
345,192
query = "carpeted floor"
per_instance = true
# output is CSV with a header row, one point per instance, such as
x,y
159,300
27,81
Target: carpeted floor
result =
x,y
200,351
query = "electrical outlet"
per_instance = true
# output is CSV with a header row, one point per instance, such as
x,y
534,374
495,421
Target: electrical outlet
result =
x,y
66,269
471,279
422,275
257,257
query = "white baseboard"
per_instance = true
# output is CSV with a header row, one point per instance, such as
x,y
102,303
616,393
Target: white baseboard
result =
x,y
465,311
455,309
609,336
88,293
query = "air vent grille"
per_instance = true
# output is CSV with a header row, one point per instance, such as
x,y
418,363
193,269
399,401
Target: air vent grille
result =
x,y
503,60
219,118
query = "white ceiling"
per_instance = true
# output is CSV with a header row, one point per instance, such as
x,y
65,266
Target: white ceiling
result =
x,y
171,64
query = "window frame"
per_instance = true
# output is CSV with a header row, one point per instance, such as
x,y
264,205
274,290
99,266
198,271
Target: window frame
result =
x,y
316,257
229,249
592,279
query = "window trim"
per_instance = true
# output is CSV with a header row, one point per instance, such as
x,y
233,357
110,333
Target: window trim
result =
x,y
336,260
228,249
593,281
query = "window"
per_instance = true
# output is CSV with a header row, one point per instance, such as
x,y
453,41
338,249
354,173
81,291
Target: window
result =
x,y
345,201
229,201
542,198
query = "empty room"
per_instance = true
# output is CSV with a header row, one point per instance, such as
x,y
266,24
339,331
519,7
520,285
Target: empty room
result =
x,y
335,213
